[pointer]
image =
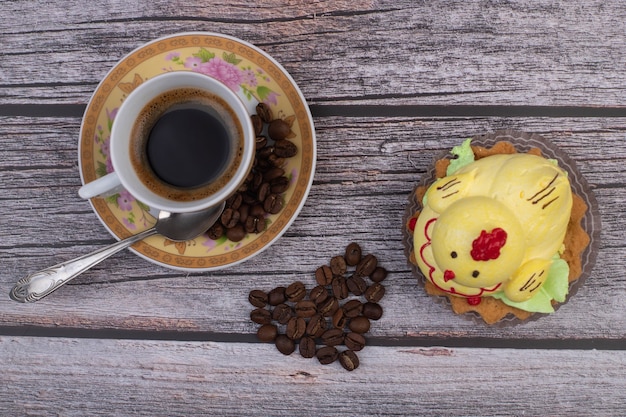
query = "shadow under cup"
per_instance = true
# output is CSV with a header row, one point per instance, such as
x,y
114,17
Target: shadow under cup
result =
x,y
185,142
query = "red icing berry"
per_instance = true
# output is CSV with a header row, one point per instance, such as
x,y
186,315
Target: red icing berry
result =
x,y
412,223
474,301
487,246
448,275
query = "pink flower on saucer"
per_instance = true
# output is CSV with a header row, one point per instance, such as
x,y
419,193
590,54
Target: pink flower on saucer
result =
x,y
223,71
249,77
193,63
271,98
125,201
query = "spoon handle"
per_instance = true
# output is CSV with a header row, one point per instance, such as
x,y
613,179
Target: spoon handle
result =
x,y
39,284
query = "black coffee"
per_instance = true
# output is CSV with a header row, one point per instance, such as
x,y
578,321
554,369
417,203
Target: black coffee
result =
x,y
186,144
188,147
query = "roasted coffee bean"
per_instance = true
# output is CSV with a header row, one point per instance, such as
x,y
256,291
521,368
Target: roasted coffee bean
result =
x,y
265,152
276,296
338,265
339,319
257,211
244,212
257,123
263,191
285,149
379,274
295,328
278,129
267,333
273,204
307,347
295,291
258,298
305,308
327,355
367,265
279,185
285,345
356,285
265,112
349,360
340,288
216,231
254,224
333,337
257,180
318,294
354,341
261,316
276,161
353,254
229,217
260,142
236,234
372,311
375,292
282,313
353,308
234,201
273,173
328,307
359,324
316,326
250,198
324,275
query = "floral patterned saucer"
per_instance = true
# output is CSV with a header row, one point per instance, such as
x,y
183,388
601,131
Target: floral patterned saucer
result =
x,y
247,70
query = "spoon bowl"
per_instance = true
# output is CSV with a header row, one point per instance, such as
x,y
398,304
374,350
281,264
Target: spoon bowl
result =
x,y
174,226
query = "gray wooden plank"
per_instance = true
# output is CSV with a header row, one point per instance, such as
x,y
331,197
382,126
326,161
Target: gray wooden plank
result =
x,y
440,52
366,170
74,377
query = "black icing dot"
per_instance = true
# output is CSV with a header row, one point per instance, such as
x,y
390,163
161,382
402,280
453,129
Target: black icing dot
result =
x,y
453,254
475,274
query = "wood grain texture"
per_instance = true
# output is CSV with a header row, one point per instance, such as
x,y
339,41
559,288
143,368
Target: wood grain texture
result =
x,y
366,169
74,377
392,85
400,52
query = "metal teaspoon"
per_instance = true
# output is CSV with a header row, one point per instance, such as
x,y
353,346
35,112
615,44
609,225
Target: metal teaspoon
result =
x,y
174,226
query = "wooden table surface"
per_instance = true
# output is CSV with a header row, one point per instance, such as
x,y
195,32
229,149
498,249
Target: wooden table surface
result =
x,y
390,84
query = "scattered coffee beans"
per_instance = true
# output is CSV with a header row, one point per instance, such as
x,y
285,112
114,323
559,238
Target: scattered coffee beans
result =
x,y
307,347
349,360
261,194
354,341
295,292
327,355
257,298
267,333
332,315
285,345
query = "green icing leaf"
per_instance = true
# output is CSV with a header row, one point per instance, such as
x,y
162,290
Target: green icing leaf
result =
x,y
557,284
540,303
464,156
555,288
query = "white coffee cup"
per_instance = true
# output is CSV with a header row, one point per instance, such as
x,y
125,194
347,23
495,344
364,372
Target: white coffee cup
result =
x,y
125,175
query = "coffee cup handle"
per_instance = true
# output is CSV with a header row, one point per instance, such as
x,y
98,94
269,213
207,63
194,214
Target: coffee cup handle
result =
x,y
101,187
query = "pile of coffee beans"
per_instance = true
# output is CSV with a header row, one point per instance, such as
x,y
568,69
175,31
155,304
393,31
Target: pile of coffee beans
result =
x,y
335,313
262,191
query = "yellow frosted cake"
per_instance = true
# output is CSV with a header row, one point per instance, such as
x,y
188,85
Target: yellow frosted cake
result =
x,y
498,232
